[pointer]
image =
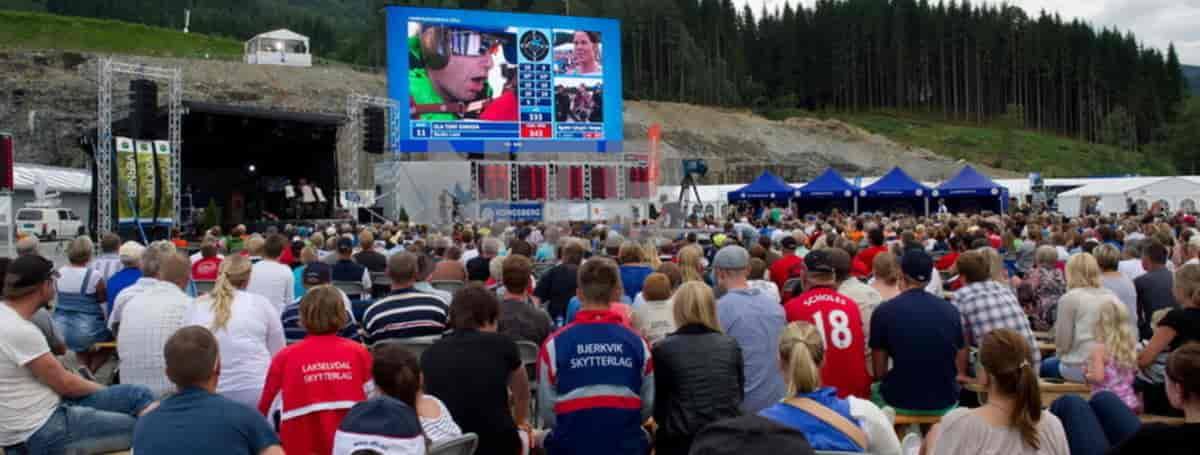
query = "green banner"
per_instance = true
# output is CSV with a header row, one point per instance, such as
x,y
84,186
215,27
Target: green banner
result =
x,y
126,180
145,181
166,197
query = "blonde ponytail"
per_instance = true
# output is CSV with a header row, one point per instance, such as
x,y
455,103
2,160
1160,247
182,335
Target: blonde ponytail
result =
x,y
234,274
802,350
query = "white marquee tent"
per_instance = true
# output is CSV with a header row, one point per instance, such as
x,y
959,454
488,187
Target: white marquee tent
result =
x,y
1115,195
279,47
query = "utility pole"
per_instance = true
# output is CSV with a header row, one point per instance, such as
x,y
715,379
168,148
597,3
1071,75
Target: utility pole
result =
x,y
568,5
187,20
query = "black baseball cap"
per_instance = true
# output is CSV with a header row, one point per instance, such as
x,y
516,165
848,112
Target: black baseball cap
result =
x,y
917,264
819,261
25,273
318,273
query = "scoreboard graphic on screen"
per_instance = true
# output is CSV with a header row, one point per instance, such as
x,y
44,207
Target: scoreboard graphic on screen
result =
x,y
487,82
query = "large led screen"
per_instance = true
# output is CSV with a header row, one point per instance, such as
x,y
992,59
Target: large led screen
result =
x,y
487,82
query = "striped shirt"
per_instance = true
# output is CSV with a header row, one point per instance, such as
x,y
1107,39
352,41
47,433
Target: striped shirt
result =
x,y
441,428
405,313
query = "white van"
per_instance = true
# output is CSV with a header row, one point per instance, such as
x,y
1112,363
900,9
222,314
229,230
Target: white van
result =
x,y
48,223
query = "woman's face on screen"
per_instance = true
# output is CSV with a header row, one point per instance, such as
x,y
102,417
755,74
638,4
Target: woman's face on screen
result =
x,y
585,49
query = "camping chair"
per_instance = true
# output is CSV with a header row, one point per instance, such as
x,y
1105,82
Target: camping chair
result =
x,y
380,284
529,354
353,289
462,445
451,286
417,345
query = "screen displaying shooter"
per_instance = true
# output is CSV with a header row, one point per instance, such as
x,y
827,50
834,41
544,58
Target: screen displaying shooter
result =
x,y
461,72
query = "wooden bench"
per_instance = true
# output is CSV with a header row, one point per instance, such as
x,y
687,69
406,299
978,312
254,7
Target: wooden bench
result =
x,y
903,422
1050,391
105,345
1048,349
1043,336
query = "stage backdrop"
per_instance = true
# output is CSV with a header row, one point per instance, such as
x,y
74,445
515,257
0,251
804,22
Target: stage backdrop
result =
x,y
488,82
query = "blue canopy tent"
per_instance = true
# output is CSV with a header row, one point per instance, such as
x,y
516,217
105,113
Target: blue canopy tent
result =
x,y
767,187
895,192
828,191
970,191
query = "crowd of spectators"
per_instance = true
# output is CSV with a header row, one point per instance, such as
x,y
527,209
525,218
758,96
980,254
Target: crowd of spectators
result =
x,y
788,334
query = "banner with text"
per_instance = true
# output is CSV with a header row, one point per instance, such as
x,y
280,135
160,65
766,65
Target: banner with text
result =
x,y
145,181
126,181
505,211
166,197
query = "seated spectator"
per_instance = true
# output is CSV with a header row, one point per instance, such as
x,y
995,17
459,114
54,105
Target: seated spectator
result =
x,y
634,269
757,279
1154,288
875,239
209,265
247,327
479,267
829,422
424,284
108,263
150,318
1179,327
308,255
1108,257
698,375
270,277
374,261
1048,284
41,318
1112,365
131,258
596,377
654,319
749,433
209,238
520,318
151,261
1183,392
473,369
45,409
922,378
405,312
79,311
397,374
317,274
986,305
318,379
1078,310
557,286
789,266
1012,421
196,419
843,367
887,276
254,248
863,295
346,270
28,246
750,317
451,267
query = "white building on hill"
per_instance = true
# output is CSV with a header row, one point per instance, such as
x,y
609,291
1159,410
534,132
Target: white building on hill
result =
x,y
280,47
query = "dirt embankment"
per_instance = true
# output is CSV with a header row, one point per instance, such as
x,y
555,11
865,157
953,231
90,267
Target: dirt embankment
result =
x,y
48,100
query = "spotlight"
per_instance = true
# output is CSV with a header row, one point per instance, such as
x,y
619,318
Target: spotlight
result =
x,y
252,168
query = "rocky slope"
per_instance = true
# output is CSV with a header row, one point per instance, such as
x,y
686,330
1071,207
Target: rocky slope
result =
x,y
48,100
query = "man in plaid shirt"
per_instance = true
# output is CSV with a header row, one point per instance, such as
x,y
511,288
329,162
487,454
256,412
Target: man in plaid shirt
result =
x,y
987,305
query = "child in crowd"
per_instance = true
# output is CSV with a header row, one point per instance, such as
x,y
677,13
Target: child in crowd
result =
x,y
1113,361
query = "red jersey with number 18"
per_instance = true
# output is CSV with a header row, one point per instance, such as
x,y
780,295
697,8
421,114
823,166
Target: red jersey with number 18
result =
x,y
837,318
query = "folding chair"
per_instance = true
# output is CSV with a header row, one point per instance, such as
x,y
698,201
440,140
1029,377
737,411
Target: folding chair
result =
x,y
450,286
204,287
529,354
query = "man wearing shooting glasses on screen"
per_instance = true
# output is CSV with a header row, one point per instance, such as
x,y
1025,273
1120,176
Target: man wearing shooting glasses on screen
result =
x,y
448,75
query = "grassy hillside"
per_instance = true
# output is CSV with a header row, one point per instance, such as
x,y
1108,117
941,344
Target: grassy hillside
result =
x,y
26,30
1013,149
